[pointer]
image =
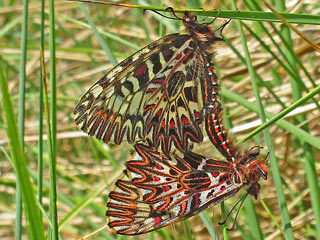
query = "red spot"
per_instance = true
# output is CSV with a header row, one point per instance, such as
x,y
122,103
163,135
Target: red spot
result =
x,y
149,108
178,56
104,84
209,130
158,80
196,198
159,112
163,123
172,124
166,52
184,120
117,86
215,174
140,70
166,188
196,114
150,90
222,188
205,81
159,167
262,167
157,220
156,179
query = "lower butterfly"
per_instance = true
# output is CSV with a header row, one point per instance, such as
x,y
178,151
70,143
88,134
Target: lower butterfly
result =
x,y
157,190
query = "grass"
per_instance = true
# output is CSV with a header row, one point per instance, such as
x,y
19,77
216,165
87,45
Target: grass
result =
x,y
267,72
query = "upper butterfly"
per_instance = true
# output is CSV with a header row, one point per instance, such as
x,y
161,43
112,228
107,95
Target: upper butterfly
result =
x,y
160,94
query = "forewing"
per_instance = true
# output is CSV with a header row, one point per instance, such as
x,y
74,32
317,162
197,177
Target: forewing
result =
x,y
158,81
112,109
157,190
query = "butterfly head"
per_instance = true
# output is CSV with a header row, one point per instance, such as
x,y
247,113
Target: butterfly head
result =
x,y
201,31
252,168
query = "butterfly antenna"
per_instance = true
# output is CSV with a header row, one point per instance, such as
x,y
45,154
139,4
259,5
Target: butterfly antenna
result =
x,y
174,14
229,214
222,27
215,18
159,14
235,219
268,155
162,15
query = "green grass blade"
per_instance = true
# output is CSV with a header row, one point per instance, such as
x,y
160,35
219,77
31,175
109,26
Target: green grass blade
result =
x,y
252,228
273,162
225,227
283,113
252,220
243,60
6,28
40,146
99,146
139,15
296,131
83,203
205,219
256,6
104,33
281,63
102,42
21,111
313,183
187,231
309,163
263,16
35,226
53,233
234,14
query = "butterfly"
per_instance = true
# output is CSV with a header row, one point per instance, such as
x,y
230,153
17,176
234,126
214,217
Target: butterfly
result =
x,y
161,94
157,190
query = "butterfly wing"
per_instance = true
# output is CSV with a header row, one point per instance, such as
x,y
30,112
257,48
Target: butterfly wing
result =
x,y
156,191
173,109
140,97
112,109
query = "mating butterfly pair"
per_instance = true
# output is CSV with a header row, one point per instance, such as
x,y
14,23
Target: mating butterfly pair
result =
x,y
162,96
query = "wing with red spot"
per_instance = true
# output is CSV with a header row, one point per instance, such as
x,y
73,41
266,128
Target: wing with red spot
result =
x,y
157,190
155,94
